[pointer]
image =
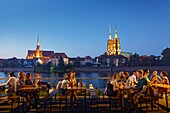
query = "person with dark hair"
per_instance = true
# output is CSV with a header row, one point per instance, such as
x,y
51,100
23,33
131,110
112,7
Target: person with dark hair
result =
x,y
133,79
146,74
112,86
165,80
141,89
12,84
155,79
28,79
64,84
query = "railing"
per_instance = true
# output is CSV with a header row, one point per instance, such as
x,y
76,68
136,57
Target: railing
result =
x,y
96,81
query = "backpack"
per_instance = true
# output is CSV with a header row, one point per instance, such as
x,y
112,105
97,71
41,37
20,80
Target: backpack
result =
x,y
59,85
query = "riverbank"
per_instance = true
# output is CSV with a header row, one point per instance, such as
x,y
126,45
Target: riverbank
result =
x,y
95,69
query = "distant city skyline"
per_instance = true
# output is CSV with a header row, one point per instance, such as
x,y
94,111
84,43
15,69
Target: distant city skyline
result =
x,y
81,27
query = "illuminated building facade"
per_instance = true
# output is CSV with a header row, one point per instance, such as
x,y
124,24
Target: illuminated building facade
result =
x,y
44,56
113,45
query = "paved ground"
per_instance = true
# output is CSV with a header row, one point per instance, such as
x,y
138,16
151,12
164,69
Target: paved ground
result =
x,y
103,107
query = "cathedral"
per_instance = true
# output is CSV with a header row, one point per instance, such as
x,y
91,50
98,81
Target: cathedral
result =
x,y
39,54
113,44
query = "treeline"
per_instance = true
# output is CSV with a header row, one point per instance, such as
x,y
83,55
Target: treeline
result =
x,y
152,60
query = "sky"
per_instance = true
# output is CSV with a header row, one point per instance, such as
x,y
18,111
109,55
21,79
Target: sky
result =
x,y
81,27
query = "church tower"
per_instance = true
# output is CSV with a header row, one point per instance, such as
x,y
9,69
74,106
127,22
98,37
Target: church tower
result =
x,y
113,45
116,45
38,52
110,43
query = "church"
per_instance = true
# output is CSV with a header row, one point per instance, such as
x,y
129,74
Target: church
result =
x,y
113,44
42,56
114,55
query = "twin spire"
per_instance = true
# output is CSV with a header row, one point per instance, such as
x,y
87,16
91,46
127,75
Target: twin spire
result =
x,y
38,40
110,32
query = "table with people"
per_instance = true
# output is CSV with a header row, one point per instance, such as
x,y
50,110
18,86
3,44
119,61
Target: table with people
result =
x,y
23,86
137,86
70,86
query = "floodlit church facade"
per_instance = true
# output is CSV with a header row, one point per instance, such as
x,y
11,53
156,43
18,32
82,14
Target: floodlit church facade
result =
x,y
113,44
44,56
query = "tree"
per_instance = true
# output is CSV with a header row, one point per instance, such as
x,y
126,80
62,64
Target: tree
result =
x,y
166,57
134,60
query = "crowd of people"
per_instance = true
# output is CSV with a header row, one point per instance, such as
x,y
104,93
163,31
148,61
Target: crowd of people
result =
x,y
15,83
68,81
140,82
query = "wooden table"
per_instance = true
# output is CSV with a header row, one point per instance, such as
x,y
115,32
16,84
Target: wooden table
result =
x,y
75,88
31,89
166,87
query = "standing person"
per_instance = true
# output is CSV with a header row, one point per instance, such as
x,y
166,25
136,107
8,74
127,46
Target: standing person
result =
x,y
73,78
73,83
141,89
12,84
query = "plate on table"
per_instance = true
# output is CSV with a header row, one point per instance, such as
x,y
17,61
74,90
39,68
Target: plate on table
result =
x,y
127,87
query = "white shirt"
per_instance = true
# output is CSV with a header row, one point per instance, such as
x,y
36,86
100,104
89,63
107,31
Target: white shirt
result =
x,y
13,81
64,84
132,80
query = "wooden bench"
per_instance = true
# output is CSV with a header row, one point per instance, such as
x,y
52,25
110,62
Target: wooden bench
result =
x,y
63,98
43,101
14,98
93,96
111,99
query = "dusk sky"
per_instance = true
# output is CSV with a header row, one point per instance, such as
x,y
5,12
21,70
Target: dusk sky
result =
x,y
81,27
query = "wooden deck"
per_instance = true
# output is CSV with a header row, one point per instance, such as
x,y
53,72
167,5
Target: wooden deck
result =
x,y
103,107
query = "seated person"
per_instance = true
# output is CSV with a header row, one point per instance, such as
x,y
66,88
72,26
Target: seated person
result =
x,y
155,79
12,84
28,79
64,83
141,89
165,80
21,84
30,83
112,86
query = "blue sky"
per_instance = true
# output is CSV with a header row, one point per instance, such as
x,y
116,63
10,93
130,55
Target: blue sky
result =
x,y
81,27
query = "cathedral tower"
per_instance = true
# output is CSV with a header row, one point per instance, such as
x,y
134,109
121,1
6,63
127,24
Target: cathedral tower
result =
x,y
38,52
110,43
113,45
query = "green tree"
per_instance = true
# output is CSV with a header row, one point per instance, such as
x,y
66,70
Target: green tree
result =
x,y
166,56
